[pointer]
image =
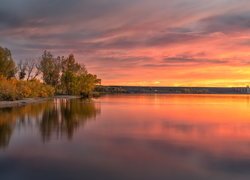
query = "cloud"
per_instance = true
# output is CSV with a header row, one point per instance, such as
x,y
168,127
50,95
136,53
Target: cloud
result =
x,y
226,23
123,61
120,34
191,60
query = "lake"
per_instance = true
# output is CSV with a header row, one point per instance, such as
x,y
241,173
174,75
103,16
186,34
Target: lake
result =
x,y
128,137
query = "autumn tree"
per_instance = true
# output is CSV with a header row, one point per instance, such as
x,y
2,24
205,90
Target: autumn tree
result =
x,y
75,78
7,64
87,83
13,89
66,75
70,70
50,68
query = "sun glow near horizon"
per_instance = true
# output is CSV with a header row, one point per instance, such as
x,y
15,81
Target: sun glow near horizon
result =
x,y
225,77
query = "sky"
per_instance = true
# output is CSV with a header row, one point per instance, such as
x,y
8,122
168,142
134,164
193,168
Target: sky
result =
x,y
137,42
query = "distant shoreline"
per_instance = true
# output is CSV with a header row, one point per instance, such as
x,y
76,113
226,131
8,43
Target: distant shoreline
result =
x,y
138,90
173,90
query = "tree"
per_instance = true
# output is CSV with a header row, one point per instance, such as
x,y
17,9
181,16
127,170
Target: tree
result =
x,y
22,67
70,65
50,68
66,75
70,72
7,64
76,79
87,83
29,69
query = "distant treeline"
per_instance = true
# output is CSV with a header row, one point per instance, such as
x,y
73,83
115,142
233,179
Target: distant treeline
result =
x,y
172,90
110,90
139,89
43,77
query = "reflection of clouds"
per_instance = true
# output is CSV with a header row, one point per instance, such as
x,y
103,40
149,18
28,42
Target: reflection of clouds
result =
x,y
178,158
206,148
212,128
207,136
181,138
191,132
229,165
216,139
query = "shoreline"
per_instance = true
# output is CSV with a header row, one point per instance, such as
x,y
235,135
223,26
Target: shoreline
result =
x,y
27,101
23,102
173,90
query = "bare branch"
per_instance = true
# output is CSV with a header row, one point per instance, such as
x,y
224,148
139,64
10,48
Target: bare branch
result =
x,y
29,69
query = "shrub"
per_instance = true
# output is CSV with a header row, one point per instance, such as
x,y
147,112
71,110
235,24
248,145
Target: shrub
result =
x,y
7,89
14,90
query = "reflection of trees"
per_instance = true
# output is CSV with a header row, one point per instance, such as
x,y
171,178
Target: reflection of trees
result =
x,y
5,127
5,134
59,117
65,116
17,116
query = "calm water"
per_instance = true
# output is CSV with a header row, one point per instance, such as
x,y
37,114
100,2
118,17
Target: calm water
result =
x,y
128,137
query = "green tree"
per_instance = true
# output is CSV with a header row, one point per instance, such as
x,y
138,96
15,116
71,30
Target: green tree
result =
x,y
7,64
70,72
87,83
50,68
66,75
75,78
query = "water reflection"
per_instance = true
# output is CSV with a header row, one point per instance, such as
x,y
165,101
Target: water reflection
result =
x,y
5,134
136,137
60,118
64,117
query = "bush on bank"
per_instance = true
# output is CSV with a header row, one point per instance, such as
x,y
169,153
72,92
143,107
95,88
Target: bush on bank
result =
x,y
12,89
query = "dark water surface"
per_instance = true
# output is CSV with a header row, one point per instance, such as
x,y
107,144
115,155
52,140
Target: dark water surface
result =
x,y
128,137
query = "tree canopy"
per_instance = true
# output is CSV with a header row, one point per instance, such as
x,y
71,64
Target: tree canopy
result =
x,y
67,75
7,64
50,68
75,78
60,75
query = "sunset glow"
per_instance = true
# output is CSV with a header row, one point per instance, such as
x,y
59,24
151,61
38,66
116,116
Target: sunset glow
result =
x,y
137,42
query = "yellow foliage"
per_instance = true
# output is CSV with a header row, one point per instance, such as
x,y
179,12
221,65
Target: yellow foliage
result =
x,y
13,89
